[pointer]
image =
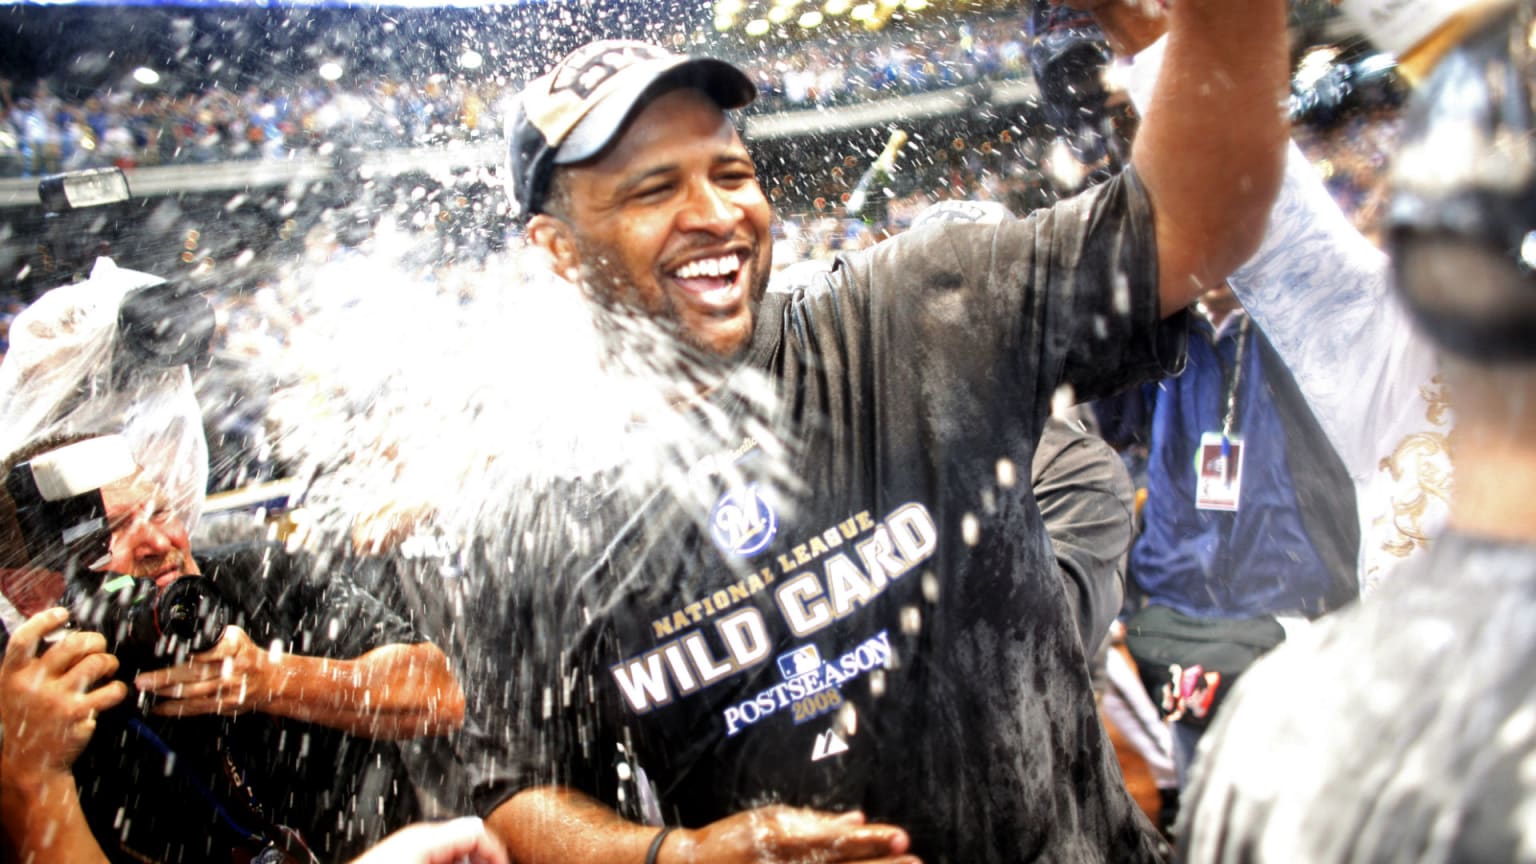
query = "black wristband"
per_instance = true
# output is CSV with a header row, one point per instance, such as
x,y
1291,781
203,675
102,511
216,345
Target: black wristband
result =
x,y
655,850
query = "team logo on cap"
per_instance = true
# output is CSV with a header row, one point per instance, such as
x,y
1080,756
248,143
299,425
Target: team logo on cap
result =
x,y
589,66
743,522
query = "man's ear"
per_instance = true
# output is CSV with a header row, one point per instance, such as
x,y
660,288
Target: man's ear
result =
x,y
554,236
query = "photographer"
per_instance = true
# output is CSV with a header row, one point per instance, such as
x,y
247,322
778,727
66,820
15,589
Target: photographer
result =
x,y
248,749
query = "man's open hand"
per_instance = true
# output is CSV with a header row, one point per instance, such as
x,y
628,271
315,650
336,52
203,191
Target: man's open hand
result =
x,y
785,835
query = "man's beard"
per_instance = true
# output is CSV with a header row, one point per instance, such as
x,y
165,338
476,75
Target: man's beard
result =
x,y
621,308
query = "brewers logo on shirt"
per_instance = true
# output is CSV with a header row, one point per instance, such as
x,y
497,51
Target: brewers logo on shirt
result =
x,y
742,522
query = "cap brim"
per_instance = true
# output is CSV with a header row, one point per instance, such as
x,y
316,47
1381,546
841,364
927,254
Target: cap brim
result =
x,y
722,82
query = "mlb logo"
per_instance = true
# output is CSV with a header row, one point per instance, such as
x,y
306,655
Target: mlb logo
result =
x,y
799,661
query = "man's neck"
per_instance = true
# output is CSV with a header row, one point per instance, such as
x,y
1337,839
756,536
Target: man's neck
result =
x,y
1493,451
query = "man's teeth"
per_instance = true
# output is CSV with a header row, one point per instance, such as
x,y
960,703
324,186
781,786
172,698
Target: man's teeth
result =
x,y
725,265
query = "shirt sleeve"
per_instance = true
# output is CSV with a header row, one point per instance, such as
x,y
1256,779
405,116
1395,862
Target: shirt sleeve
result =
x,y
532,713
1097,294
1067,295
1362,372
1086,499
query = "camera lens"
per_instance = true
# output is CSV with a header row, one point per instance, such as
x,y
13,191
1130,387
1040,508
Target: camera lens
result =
x,y
191,615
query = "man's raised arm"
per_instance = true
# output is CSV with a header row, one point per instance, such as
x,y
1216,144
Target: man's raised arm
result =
x,y
1211,150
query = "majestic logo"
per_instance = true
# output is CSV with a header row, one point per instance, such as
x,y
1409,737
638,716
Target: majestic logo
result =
x,y
828,744
743,523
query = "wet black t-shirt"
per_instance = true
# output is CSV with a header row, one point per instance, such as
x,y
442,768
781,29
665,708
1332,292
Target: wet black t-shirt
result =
x,y
203,788
889,632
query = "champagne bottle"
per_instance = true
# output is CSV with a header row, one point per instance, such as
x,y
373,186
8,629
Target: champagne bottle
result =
x,y
877,172
1419,32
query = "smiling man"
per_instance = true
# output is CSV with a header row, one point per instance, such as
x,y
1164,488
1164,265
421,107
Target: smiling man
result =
x,y
612,225
878,662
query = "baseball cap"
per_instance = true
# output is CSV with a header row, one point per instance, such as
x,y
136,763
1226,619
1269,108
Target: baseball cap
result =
x,y
574,111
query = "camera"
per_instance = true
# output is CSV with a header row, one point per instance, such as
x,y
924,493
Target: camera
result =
x,y
59,508
1068,65
147,626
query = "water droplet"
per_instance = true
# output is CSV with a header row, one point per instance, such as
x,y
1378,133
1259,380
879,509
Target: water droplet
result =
x,y
970,529
1063,400
1007,473
911,620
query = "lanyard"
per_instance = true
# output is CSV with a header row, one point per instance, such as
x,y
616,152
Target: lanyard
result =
x,y
1229,415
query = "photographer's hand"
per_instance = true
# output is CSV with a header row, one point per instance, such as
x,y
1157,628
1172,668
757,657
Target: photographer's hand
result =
x,y
233,677
48,705
49,701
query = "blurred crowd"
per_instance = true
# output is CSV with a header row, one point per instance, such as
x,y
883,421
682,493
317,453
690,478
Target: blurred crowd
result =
x,y
45,132
946,53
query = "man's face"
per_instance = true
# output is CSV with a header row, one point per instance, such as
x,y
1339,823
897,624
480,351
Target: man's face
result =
x,y
148,540
671,221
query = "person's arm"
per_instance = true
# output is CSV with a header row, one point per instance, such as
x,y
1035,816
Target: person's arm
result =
x,y
48,707
1086,500
558,825
393,691
1211,147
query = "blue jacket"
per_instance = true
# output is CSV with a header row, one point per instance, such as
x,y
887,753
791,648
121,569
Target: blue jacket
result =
x,y
1291,547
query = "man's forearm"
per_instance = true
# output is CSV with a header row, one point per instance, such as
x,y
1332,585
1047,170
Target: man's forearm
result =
x,y
557,825
393,691
1211,149
42,819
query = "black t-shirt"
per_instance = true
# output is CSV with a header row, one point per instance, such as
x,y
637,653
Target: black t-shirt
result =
x,y
893,635
1402,728
195,789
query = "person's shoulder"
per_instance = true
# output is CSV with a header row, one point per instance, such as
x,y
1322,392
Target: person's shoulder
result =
x,y
241,558
934,256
